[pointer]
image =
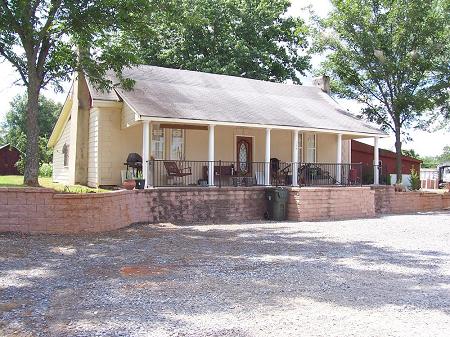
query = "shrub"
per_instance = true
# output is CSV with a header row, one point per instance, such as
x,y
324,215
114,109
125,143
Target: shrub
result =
x,y
414,179
21,165
45,170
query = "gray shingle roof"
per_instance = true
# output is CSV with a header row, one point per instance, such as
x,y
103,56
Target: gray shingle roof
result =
x,y
181,94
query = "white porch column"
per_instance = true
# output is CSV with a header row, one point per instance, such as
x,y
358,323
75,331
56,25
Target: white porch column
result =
x,y
295,158
376,161
267,159
211,155
339,158
145,151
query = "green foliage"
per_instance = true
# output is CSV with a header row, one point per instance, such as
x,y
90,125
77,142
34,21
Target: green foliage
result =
x,y
429,162
249,38
48,40
388,179
14,126
367,175
432,161
445,156
414,179
46,170
17,181
21,165
411,153
392,56
69,35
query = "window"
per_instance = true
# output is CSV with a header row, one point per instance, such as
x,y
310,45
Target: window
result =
x,y
311,148
65,151
157,142
300,147
177,145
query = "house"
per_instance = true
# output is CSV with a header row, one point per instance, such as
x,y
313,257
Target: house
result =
x,y
364,153
194,129
9,156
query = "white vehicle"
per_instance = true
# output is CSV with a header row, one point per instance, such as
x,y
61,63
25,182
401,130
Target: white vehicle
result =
x,y
444,175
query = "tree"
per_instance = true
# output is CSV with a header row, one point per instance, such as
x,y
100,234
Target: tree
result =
x,y
391,55
411,153
249,38
429,162
14,126
47,40
444,157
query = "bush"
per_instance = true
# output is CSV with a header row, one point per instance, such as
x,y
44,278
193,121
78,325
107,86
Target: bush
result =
x,y
414,179
46,170
21,165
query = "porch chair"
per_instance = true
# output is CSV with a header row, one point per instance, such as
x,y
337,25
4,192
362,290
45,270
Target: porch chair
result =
x,y
174,171
311,174
353,178
279,176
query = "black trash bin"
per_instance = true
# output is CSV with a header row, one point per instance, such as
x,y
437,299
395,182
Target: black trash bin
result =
x,y
276,199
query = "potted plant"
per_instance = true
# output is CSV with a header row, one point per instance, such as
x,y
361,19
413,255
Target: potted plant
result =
x,y
129,183
140,181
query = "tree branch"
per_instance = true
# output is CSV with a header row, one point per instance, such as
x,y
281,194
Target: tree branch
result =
x,y
374,109
18,28
46,38
16,62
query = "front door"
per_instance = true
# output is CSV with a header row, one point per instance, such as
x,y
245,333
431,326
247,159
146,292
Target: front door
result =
x,y
244,148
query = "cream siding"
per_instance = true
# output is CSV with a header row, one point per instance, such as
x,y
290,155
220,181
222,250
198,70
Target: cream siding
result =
x,y
61,172
326,148
115,144
110,143
128,117
346,151
280,147
196,145
93,154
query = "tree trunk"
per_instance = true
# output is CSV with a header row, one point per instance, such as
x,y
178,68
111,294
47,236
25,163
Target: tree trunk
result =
x,y
398,157
32,132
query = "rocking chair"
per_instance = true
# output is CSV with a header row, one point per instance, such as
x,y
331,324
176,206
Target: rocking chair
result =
x,y
279,176
174,171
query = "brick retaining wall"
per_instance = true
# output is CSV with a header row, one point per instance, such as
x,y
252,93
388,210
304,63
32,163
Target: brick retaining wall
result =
x,y
388,201
321,203
37,210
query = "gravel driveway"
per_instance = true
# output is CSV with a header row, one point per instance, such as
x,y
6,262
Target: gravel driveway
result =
x,y
388,276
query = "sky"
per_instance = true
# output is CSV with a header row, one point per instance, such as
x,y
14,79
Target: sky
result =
x,y
424,143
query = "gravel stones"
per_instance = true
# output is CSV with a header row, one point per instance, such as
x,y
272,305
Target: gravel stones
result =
x,y
388,276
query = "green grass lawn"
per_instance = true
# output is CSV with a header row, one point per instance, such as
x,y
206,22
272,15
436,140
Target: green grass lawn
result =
x,y
17,181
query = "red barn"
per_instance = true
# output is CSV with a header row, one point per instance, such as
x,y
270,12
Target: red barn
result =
x,y
9,156
363,153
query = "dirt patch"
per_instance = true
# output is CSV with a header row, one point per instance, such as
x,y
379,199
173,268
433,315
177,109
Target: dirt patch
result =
x,y
143,270
9,306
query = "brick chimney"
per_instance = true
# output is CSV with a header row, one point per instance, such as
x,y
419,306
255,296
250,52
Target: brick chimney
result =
x,y
323,82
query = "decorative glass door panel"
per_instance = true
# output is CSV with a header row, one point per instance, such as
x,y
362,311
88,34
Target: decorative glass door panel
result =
x,y
244,155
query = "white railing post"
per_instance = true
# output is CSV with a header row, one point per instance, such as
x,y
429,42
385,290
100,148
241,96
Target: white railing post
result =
x,y
295,158
211,155
145,151
339,158
376,162
267,159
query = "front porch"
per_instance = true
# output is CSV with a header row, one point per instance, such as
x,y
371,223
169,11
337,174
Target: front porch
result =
x,y
184,173
189,155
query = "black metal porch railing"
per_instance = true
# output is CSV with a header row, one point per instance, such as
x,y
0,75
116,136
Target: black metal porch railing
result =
x,y
318,174
183,173
368,174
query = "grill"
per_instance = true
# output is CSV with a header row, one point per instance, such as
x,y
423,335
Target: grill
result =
x,y
134,161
